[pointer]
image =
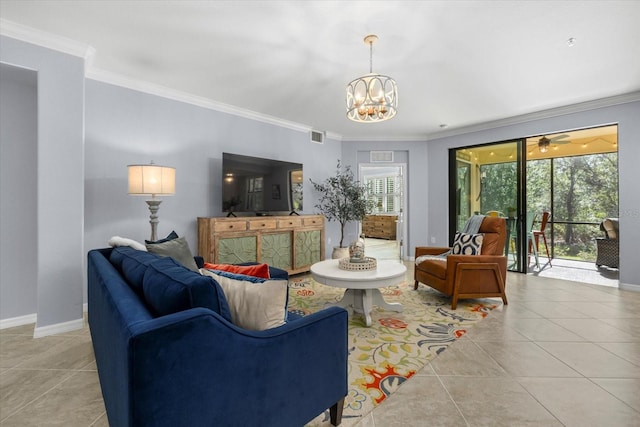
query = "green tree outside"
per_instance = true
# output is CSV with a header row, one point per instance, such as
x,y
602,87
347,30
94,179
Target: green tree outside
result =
x,y
585,190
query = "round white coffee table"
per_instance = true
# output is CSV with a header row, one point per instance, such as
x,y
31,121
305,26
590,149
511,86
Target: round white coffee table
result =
x,y
362,287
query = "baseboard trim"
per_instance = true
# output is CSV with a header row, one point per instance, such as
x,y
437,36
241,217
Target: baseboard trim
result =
x,y
58,328
628,287
18,321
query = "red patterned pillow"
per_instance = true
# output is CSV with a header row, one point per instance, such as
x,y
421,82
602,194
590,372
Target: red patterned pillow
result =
x,y
258,270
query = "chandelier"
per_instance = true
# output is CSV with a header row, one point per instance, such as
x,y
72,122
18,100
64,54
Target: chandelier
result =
x,y
372,97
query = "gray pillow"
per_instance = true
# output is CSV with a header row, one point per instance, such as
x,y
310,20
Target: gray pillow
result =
x,y
177,249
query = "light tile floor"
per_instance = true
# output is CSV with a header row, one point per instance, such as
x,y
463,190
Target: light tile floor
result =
x,y
559,354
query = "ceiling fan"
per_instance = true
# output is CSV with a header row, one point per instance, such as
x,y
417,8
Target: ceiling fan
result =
x,y
544,142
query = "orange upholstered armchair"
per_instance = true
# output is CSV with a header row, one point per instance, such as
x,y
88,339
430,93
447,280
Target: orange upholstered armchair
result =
x,y
468,276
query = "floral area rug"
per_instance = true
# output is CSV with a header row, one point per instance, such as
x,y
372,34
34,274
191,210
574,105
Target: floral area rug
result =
x,y
396,346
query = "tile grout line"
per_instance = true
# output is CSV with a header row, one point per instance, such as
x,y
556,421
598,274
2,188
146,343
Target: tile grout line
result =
x,y
53,387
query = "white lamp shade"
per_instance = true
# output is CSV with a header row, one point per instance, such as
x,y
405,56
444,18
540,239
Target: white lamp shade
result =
x,y
152,180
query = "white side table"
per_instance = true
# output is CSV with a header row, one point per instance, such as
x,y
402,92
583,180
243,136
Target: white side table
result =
x,y
362,287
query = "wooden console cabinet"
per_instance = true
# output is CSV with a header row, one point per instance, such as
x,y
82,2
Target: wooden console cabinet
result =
x,y
291,243
380,226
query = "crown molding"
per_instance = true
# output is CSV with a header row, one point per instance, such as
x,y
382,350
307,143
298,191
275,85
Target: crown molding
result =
x,y
176,95
334,136
542,114
406,138
88,53
46,40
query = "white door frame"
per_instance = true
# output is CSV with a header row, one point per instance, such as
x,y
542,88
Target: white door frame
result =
x,y
401,169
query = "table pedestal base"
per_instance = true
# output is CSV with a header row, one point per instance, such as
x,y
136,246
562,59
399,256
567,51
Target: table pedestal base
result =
x,y
363,300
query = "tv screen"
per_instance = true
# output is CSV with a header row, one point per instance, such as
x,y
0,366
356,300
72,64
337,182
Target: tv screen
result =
x,y
256,185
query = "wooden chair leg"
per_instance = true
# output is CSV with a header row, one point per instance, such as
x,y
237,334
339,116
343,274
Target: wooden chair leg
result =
x,y
544,239
415,285
335,412
546,247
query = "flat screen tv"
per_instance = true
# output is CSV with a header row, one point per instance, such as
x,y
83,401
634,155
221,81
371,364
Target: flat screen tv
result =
x,y
253,185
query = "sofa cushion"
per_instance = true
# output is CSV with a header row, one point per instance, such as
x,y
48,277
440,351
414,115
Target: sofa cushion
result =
x,y
170,236
467,244
132,264
255,304
255,270
169,287
177,249
274,272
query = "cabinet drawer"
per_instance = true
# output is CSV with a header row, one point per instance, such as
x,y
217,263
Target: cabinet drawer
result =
x,y
312,221
230,226
289,223
267,224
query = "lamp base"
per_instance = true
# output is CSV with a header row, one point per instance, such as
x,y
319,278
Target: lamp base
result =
x,y
154,206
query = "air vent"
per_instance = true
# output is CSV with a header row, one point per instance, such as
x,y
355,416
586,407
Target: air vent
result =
x,y
317,137
381,156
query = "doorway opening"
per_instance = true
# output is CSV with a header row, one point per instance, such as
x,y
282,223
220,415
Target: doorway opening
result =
x,y
385,228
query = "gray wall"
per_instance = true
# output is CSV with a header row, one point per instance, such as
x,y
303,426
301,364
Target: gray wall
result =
x,y
414,154
628,118
58,257
18,203
82,197
124,127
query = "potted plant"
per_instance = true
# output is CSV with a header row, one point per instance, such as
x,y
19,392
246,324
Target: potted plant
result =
x,y
343,199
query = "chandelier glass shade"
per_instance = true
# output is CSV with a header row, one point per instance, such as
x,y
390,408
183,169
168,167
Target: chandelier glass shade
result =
x,y
373,97
543,144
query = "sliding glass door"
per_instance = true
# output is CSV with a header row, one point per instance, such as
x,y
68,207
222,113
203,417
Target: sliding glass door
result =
x,y
554,189
488,180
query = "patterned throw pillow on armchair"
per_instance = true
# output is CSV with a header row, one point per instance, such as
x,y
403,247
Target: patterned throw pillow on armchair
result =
x,y
467,244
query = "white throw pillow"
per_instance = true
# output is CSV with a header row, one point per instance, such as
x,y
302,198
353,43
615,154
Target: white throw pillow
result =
x,y
255,304
123,241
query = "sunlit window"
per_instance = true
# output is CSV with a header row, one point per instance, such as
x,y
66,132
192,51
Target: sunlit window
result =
x,y
386,192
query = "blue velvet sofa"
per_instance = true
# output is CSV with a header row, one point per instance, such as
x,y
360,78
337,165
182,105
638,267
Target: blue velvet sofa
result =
x,y
168,355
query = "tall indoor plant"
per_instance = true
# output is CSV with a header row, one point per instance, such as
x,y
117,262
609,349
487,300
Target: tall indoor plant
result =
x,y
343,199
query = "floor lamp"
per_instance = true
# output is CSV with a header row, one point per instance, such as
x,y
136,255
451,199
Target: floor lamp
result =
x,y
152,180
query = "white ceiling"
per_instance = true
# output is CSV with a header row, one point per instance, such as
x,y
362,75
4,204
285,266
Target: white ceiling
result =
x,y
458,63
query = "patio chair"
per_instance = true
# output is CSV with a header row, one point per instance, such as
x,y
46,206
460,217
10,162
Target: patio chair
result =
x,y
531,218
608,246
540,233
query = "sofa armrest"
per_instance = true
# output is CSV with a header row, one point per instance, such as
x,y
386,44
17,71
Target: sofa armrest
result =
x,y
430,250
195,368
